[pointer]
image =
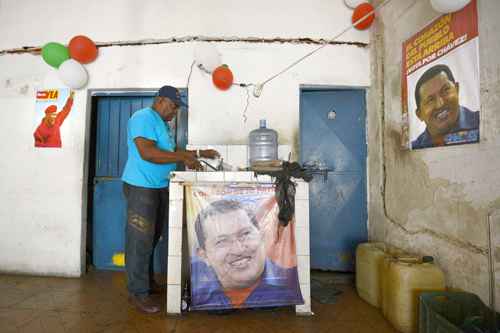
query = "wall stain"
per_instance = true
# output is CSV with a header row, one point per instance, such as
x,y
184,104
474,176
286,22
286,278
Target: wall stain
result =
x,y
375,107
24,89
401,201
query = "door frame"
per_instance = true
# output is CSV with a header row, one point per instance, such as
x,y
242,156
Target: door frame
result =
x,y
366,90
89,118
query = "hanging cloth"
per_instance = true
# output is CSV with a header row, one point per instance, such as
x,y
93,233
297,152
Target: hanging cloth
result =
x,y
285,188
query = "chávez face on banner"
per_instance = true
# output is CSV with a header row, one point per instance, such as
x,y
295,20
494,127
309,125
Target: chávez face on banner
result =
x,y
231,243
238,257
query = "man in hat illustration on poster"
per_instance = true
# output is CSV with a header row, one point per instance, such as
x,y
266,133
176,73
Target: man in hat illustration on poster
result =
x,y
48,133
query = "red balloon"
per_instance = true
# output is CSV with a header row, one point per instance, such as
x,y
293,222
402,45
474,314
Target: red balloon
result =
x,y
222,77
82,49
359,12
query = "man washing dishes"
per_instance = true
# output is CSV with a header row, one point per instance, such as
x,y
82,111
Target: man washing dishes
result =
x,y
152,156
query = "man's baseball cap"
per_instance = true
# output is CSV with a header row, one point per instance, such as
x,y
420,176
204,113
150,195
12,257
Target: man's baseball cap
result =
x,y
172,93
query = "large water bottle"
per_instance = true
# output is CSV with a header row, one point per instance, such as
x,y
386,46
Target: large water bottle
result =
x,y
263,144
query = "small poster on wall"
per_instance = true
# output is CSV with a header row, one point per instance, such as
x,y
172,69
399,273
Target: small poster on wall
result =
x,y
52,108
440,82
240,256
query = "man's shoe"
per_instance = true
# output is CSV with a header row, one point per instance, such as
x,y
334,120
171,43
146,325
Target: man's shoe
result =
x,y
145,304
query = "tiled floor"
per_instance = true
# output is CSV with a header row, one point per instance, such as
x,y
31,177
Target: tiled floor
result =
x,y
98,303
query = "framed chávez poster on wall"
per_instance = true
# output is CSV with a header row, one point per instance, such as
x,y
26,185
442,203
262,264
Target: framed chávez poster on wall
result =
x,y
440,82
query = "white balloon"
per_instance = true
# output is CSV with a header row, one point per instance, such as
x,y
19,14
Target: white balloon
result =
x,y
353,3
73,74
207,55
448,6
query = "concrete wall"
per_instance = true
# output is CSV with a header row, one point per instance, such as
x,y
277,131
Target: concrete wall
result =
x,y
434,201
42,210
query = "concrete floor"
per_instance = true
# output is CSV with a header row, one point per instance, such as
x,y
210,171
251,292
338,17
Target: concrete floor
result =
x,y
98,303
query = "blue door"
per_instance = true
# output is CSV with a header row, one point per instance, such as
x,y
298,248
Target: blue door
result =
x,y
109,207
332,139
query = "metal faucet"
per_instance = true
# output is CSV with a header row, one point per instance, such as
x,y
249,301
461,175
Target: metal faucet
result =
x,y
218,168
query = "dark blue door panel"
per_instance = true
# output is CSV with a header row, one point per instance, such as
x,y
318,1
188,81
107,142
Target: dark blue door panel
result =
x,y
334,205
332,134
102,146
109,223
109,207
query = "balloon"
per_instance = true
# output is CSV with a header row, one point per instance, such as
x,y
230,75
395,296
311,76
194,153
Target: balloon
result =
x,y
222,77
207,55
73,74
82,49
360,12
54,54
448,6
353,3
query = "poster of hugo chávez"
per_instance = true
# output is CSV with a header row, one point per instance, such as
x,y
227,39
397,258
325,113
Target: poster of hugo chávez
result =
x,y
440,82
240,256
51,110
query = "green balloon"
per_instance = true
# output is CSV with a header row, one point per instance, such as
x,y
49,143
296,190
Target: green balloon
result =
x,y
55,54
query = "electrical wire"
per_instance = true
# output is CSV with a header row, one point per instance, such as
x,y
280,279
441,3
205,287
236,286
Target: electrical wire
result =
x,y
326,43
239,84
261,85
190,72
247,88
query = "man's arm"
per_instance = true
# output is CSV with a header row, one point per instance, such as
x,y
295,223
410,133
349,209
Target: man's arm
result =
x,y
61,116
149,152
205,153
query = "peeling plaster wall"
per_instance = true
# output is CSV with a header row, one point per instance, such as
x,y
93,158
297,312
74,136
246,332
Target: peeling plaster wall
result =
x,y
434,201
42,210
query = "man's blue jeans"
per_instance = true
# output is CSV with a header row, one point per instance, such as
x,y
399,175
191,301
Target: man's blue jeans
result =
x,y
147,215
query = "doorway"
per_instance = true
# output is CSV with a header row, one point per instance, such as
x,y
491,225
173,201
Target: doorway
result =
x,y
333,143
106,209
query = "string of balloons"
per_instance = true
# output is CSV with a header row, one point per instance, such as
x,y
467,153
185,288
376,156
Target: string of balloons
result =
x,y
69,60
82,50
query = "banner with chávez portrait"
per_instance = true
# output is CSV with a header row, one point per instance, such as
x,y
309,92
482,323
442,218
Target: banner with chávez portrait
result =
x,y
440,82
240,256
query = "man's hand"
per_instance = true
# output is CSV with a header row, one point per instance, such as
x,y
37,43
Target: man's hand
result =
x,y
209,153
71,94
193,163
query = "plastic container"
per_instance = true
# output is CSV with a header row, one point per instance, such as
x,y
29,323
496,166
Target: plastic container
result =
x,y
455,312
368,265
407,278
392,253
263,144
